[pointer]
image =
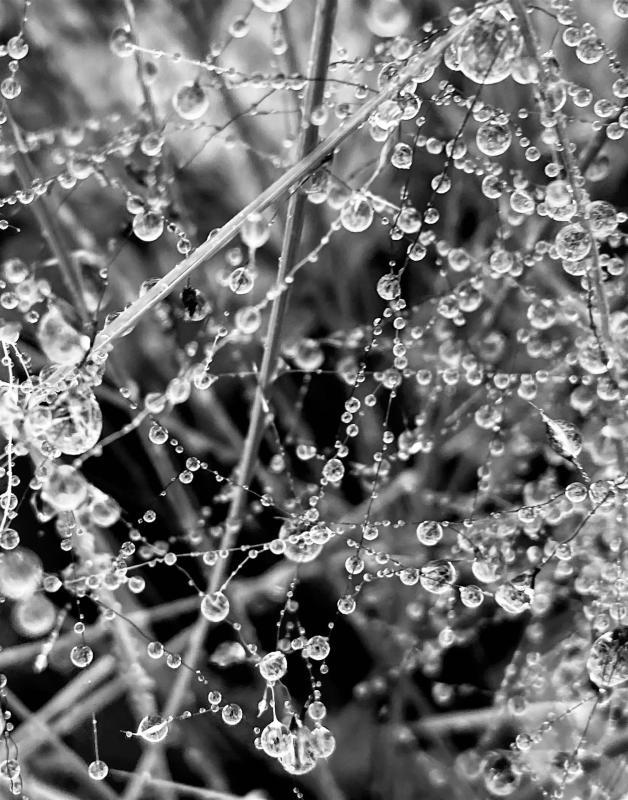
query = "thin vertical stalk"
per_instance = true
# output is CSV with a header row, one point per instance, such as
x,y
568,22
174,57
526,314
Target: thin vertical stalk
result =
x,y
324,20
73,764
573,174
291,178
317,71
70,271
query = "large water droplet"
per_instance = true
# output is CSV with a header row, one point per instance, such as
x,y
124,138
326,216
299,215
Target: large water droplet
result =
x,y
487,49
608,660
61,343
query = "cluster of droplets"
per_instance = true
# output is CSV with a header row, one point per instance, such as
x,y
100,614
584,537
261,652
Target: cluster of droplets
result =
x,y
504,558
295,745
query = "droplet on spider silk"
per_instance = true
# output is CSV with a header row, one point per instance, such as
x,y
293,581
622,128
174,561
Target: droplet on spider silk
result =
x,y
10,88
215,606
9,539
231,714
190,101
608,659
196,304
64,488
255,231
98,770
429,533
81,655
602,218
148,226
324,741
471,596
357,213
493,139
402,155
488,47
69,421
241,280
273,666
308,354
60,342
301,754
334,470
300,545
153,728
275,739
573,242
389,286
563,437
515,596
501,777
10,768
158,434
317,648
121,42
437,576
17,47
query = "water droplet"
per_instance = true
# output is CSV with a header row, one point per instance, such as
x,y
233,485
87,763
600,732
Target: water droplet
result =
x,y
493,139
608,659
61,343
148,226
64,487
231,714
190,101
500,776
429,533
357,213
334,470
153,728
437,576
273,666
563,437
515,596
81,655
487,49
98,770
215,606
275,739
573,242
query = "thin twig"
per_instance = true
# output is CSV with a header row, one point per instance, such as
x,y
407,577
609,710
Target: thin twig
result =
x,y
292,177
21,653
71,694
71,761
70,271
572,172
319,58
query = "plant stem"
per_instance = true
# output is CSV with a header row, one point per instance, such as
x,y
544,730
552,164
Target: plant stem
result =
x,y
317,69
73,764
290,179
72,693
70,271
573,174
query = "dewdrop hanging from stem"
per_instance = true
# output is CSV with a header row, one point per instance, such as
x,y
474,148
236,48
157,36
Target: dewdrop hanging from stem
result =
x,y
564,438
